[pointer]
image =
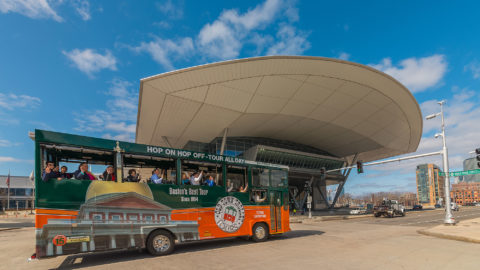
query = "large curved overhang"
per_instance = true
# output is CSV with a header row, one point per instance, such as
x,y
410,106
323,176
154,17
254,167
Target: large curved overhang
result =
x,y
337,106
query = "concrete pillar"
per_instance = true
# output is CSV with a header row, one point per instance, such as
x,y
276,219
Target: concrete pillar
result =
x,y
59,250
132,240
84,247
113,243
49,248
92,244
318,201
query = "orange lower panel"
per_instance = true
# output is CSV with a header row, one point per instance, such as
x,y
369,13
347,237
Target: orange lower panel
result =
x,y
208,228
43,215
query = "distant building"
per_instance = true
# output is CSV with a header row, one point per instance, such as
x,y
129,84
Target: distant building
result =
x,y
430,186
470,164
21,191
466,193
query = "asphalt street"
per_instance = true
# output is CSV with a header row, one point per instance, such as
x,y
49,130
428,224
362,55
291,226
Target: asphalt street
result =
x,y
361,243
423,218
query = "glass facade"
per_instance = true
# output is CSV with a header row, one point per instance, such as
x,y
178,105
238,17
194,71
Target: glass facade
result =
x,y
430,185
237,146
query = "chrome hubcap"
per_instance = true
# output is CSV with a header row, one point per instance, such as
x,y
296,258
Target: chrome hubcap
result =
x,y
260,232
161,243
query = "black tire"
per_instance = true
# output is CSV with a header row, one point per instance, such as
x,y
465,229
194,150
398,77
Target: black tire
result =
x,y
260,232
160,243
377,215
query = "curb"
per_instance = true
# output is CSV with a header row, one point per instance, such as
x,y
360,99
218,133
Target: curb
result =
x,y
449,236
328,218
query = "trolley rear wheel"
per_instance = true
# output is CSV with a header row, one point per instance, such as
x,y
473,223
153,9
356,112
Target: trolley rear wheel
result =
x,y
160,243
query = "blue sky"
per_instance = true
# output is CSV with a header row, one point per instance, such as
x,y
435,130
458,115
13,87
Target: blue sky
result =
x,y
74,66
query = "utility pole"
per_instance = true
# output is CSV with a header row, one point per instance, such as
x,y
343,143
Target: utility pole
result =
x,y
449,219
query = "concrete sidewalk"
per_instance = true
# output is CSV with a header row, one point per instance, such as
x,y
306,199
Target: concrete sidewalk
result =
x,y
467,230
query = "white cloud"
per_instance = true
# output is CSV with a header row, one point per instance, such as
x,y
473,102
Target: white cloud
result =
x,y
417,74
35,9
344,56
12,159
474,67
162,24
231,32
461,118
118,120
89,61
163,50
223,39
7,143
82,7
169,9
12,101
290,41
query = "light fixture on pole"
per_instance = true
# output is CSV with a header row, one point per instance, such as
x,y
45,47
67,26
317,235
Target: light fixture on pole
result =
x,y
449,220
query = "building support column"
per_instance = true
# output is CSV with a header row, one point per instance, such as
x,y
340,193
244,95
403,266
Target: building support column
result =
x,y
59,250
132,240
113,242
92,244
224,141
84,247
346,173
49,248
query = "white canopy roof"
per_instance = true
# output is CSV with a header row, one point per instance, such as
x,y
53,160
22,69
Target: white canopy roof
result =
x,y
337,106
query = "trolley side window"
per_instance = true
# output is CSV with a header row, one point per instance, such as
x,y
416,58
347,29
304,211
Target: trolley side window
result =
x,y
279,178
260,177
236,179
201,173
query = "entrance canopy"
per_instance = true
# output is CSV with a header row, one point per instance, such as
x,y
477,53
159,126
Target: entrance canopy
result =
x,y
337,106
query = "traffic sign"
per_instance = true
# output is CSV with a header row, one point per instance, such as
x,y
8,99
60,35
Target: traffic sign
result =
x,y
459,173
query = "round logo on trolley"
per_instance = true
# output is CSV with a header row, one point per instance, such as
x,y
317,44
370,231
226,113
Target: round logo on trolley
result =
x,y
229,214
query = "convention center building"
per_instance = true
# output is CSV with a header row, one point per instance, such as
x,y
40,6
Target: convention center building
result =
x,y
307,113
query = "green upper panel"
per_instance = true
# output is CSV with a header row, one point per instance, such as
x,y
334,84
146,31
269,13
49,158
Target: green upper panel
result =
x,y
42,136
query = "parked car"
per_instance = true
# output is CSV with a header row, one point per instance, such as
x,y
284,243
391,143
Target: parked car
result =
x,y
358,211
438,206
417,207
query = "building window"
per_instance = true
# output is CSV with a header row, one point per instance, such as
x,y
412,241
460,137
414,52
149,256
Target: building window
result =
x,y
132,217
148,218
97,216
163,219
116,217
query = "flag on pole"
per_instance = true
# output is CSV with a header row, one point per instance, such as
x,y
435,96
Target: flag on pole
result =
x,y
8,179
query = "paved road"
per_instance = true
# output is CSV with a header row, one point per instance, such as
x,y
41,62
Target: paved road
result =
x,y
366,243
425,218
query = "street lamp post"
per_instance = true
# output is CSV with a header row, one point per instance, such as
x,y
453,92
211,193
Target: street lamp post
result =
x,y
449,219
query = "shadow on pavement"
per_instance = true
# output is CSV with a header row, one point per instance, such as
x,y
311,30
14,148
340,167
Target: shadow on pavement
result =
x,y
108,257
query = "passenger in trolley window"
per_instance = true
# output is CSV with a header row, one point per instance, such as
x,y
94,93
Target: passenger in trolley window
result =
x,y
210,182
243,189
229,185
49,172
157,176
82,173
185,179
195,178
108,174
132,176
64,174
